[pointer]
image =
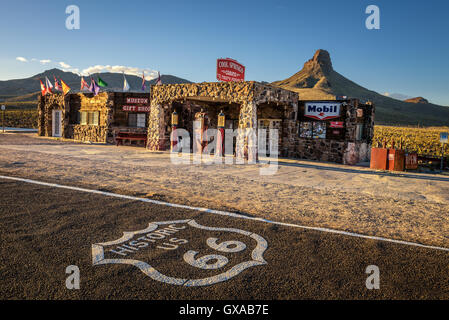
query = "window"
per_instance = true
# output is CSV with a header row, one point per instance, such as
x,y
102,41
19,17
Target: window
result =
x,y
141,120
83,117
137,120
315,130
89,118
132,120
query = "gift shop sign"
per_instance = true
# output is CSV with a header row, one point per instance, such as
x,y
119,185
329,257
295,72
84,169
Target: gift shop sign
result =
x,y
136,105
322,110
230,70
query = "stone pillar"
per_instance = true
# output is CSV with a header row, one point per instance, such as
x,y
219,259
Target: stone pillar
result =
x,y
247,135
41,116
156,128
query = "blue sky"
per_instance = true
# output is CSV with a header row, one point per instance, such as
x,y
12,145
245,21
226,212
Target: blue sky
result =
x,y
273,39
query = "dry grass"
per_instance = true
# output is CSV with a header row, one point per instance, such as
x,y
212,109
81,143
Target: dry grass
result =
x,y
424,141
21,118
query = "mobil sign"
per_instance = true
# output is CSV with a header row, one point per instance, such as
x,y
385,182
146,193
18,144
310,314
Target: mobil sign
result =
x,y
230,70
322,110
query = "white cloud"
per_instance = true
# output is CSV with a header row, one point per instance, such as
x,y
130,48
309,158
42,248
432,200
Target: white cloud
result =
x,y
398,96
64,65
149,74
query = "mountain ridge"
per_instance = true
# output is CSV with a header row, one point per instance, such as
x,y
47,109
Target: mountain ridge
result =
x,y
20,87
318,80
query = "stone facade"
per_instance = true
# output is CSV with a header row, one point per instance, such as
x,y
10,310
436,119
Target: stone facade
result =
x,y
347,149
249,95
156,124
111,120
46,105
244,104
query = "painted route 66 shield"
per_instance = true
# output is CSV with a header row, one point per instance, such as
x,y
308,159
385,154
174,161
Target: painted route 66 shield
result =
x,y
183,252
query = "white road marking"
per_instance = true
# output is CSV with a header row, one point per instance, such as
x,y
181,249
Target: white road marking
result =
x,y
225,213
256,256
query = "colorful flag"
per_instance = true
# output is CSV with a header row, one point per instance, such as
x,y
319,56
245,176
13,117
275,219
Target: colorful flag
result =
x,y
94,88
49,85
57,86
144,86
101,83
158,82
125,84
65,87
43,88
84,84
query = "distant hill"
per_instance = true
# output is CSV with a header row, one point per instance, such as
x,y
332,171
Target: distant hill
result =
x,y
318,80
28,89
417,100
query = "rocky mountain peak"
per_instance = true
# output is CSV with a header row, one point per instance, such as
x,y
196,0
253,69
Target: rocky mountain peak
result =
x,y
321,60
417,100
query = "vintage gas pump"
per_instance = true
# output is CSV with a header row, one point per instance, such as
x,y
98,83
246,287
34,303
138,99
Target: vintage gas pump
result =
x,y
198,132
174,126
221,134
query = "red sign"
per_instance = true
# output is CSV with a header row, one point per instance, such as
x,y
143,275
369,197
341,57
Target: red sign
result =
x,y
411,161
230,70
136,108
336,124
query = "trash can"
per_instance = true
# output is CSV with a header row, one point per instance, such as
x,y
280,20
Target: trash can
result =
x,y
396,160
379,159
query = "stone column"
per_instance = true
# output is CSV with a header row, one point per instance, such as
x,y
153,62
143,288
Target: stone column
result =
x,y
41,116
156,128
247,135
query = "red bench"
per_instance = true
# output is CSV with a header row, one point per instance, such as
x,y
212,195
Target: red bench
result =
x,y
130,136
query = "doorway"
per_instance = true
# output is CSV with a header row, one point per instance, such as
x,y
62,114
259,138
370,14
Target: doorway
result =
x,y
271,147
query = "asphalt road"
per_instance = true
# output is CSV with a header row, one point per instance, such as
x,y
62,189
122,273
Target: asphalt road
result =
x,y
44,230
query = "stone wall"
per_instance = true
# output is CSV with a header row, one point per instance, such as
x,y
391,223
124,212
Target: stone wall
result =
x,y
247,134
156,127
87,133
101,103
247,94
46,105
346,150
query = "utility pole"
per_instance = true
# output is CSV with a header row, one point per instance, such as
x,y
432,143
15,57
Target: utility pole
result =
x,y
443,139
3,117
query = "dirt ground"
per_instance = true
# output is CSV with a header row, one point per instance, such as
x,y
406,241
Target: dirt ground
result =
x,y
407,206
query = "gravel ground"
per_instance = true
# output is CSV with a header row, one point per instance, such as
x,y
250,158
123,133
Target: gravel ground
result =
x,y
412,207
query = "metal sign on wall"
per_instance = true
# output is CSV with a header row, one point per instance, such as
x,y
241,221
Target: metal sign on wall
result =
x,y
230,70
136,105
136,108
337,124
444,137
322,110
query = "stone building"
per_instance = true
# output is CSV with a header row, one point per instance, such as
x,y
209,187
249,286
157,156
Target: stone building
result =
x,y
88,118
345,137
336,131
243,103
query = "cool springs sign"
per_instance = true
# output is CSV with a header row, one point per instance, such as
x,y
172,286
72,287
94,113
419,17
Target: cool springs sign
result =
x,y
322,110
230,70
